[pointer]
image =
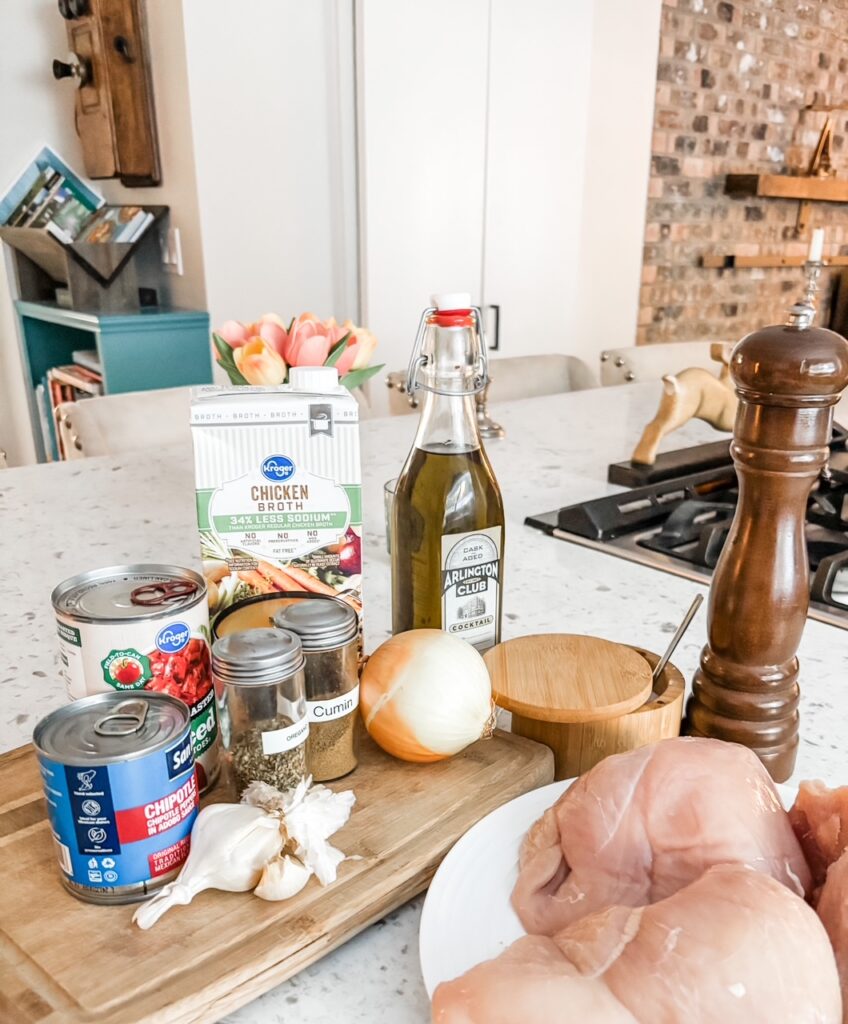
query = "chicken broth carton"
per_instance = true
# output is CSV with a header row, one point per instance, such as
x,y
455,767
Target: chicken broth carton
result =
x,y
278,487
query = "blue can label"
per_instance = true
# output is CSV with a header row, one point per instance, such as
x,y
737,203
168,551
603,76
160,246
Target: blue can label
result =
x,y
123,824
180,758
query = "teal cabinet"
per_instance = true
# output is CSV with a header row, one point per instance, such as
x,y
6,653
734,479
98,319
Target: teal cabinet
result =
x,y
153,348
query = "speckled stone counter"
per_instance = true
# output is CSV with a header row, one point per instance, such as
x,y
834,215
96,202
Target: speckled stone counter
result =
x,y
62,519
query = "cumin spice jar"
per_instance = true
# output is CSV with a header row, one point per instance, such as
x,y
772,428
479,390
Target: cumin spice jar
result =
x,y
259,680
329,632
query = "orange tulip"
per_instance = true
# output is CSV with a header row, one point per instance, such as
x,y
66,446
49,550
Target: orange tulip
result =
x,y
259,363
359,349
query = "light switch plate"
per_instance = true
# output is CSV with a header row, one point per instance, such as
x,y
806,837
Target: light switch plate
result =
x,y
172,252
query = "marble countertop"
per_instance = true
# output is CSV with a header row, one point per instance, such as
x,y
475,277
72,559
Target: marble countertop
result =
x,y
62,519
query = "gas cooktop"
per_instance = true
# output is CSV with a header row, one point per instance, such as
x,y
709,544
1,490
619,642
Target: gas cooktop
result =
x,y
680,526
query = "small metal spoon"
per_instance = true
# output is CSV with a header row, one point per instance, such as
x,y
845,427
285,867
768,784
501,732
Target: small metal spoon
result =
x,y
678,636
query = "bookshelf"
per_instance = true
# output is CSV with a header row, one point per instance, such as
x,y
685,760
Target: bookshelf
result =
x,y
140,351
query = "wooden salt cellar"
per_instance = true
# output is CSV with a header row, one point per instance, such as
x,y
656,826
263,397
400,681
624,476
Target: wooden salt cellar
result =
x,y
788,378
584,697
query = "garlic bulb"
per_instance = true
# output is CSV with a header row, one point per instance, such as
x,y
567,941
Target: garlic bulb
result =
x,y
310,816
282,878
425,695
230,845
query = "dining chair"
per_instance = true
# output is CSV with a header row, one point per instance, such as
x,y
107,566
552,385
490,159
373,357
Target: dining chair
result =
x,y
129,422
512,377
636,363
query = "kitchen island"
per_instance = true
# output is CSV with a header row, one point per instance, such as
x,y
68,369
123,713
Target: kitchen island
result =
x,y
63,519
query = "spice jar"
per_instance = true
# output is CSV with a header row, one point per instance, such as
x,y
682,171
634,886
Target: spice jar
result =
x,y
259,680
328,629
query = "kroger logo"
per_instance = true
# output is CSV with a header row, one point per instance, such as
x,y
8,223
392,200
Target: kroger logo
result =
x,y
277,467
173,638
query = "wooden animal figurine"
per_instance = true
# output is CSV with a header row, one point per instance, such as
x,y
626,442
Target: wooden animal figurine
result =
x,y
691,394
788,378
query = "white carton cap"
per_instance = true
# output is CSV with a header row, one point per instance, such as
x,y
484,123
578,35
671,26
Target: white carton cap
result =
x,y
451,300
317,379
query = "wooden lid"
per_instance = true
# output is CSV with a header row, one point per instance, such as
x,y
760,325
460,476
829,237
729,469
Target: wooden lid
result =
x,y
560,677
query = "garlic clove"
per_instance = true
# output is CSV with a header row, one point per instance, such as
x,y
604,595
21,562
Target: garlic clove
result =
x,y
230,845
282,878
308,826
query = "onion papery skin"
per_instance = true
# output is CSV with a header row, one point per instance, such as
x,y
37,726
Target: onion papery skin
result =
x,y
425,696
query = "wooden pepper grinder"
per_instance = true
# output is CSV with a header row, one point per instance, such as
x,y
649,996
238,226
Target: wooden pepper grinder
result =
x,y
788,378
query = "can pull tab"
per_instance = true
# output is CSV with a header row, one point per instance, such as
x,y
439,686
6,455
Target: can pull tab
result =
x,y
125,719
152,595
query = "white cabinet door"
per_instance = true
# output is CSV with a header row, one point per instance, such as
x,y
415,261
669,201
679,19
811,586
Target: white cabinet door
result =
x,y
539,70
422,76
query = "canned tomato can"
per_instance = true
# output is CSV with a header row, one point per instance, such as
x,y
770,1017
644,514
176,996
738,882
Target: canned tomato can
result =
x,y
121,791
129,628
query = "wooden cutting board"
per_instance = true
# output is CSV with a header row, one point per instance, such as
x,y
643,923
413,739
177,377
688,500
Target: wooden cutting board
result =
x,y
62,960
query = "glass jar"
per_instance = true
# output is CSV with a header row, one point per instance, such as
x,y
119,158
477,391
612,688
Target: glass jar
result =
x,y
329,632
259,680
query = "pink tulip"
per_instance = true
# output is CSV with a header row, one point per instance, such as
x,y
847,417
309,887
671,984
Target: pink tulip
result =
x,y
234,333
309,341
272,318
274,334
259,363
358,351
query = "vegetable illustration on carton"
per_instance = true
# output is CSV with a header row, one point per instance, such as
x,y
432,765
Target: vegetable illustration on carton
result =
x,y
278,491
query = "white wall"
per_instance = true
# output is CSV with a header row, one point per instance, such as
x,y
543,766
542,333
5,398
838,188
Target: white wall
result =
x,y
35,109
272,99
625,44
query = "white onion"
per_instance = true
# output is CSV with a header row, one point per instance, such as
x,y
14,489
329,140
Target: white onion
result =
x,y
426,695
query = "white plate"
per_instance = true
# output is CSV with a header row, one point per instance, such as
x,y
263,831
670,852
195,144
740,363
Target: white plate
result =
x,y
467,917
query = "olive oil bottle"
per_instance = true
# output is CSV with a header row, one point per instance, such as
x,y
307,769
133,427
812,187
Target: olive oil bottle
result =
x,y
447,514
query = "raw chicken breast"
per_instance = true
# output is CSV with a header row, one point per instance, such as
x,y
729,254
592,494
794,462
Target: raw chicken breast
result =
x,y
820,819
641,825
833,911
734,947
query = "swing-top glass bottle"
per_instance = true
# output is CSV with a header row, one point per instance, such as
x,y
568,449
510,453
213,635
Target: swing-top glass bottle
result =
x,y
447,515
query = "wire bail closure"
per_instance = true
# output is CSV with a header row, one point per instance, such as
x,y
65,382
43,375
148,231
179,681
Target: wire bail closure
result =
x,y
418,360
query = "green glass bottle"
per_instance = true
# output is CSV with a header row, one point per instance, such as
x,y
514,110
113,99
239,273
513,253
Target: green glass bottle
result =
x,y
447,514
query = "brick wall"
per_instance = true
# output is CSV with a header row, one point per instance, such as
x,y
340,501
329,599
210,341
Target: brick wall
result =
x,y
732,81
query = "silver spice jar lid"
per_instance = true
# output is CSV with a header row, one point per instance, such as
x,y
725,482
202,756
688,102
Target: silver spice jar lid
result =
x,y
322,623
257,656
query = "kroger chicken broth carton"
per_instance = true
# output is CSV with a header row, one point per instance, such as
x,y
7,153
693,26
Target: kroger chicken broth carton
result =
x,y
278,485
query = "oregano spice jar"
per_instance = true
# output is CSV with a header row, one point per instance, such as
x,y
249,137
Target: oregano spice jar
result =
x,y
259,680
328,628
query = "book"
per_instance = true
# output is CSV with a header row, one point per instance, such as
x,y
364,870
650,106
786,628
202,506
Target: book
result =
x,y
119,224
46,421
77,379
88,358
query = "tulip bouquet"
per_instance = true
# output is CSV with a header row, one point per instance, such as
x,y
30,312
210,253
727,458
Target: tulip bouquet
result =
x,y
262,352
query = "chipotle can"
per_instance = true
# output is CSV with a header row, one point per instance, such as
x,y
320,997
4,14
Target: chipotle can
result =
x,y
142,627
121,792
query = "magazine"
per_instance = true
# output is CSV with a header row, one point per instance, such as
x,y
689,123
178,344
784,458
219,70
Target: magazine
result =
x,y
25,197
117,224
34,198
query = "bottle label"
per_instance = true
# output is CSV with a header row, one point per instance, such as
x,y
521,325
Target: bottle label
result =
x,y
333,707
278,741
471,585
